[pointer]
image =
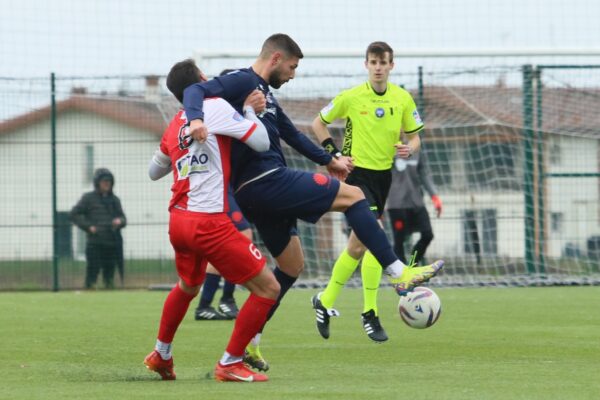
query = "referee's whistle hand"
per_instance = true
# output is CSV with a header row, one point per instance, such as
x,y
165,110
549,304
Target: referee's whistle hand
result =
x,y
403,150
198,130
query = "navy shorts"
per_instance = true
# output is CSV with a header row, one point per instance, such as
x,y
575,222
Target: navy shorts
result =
x,y
275,202
235,214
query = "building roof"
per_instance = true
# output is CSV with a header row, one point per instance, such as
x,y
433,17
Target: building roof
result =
x,y
565,110
134,112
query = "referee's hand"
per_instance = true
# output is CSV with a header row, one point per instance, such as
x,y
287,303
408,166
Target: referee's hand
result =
x,y
198,130
403,151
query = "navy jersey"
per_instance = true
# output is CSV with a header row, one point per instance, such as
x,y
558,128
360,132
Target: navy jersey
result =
x,y
246,163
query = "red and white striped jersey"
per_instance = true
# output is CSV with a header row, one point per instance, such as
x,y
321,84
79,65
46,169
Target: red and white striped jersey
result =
x,y
201,170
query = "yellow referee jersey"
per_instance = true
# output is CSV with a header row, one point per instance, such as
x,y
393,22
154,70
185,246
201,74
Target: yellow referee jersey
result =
x,y
373,122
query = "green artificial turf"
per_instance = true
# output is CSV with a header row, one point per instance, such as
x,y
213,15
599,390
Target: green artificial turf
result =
x,y
489,343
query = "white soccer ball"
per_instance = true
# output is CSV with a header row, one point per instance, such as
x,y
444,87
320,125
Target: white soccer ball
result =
x,y
420,308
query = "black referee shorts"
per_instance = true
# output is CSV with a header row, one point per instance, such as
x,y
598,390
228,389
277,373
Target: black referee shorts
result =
x,y
375,185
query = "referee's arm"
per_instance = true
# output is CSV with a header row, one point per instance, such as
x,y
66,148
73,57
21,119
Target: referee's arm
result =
x,y
324,137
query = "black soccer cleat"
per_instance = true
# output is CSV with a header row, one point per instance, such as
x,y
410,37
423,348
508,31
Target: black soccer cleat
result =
x,y
228,308
208,314
373,327
323,314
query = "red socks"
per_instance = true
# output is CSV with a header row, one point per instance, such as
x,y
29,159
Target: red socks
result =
x,y
250,319
176,305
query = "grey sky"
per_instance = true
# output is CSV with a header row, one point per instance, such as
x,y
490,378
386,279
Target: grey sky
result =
x,y
109,37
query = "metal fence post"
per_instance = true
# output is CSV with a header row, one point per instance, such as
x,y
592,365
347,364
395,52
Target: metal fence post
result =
x,y
55,285
528,166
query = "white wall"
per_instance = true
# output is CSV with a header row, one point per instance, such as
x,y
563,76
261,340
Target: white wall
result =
x,y
26,183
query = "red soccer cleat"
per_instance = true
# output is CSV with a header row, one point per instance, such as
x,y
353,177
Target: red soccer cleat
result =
x,y
238,372
164,368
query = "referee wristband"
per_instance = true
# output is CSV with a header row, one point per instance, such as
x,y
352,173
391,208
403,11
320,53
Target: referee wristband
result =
x,y
330,147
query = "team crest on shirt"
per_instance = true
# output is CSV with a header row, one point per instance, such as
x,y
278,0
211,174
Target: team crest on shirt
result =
x,y
417,117
379,112
185,139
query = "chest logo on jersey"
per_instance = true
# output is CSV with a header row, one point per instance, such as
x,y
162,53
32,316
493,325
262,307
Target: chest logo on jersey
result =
x,y
271,107
191,164
379,112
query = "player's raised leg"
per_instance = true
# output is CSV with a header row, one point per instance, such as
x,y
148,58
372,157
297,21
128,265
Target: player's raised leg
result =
x,y
352,202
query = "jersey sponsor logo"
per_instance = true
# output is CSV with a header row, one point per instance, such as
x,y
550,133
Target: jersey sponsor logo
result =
x,y
379,112
237,117
417,117
347,145
325,110
189,164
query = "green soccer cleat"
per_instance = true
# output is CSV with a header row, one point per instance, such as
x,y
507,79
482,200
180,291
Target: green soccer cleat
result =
x,y
253,358
415,276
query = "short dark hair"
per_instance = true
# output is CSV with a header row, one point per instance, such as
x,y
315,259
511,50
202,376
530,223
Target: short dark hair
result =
x,y
379,49
280,42
182,74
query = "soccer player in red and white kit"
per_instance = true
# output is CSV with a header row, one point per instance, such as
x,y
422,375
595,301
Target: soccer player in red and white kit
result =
x,y
199,228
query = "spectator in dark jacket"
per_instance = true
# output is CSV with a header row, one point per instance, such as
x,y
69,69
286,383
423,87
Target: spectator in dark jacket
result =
x,y
100,215
406,207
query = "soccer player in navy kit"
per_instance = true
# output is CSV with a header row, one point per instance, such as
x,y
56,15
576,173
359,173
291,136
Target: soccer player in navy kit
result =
x,y
273,196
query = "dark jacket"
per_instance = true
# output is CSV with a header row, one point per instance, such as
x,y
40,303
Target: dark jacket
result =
x,y
96,209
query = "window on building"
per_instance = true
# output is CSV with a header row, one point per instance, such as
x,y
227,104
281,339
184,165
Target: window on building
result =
x,y
480,231
439,156
556,221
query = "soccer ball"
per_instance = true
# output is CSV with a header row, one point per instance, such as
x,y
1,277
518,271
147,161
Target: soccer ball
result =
x,y
420,308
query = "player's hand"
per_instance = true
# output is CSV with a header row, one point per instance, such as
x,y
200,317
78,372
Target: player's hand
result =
x,y
403,150
116,222
437,204
348,161
256,100
198,130
93,229
338,169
